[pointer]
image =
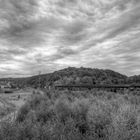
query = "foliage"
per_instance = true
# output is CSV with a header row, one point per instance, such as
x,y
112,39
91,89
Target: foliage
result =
x,y
71,76
76,115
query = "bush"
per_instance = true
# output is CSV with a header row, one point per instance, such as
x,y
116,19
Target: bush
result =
x,y
125,122
99,118
62,108
45,113
76,116
22,113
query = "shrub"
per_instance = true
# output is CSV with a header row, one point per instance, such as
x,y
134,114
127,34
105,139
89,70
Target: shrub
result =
x,y
76,116
125,122
45,113
79,112
35,100
8,131
22,113
99,118
80,108
63,109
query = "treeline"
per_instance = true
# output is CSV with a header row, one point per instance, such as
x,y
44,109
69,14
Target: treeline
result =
x,y
71,75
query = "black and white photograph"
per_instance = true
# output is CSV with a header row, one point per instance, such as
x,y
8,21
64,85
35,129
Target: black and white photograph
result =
x,y
69,69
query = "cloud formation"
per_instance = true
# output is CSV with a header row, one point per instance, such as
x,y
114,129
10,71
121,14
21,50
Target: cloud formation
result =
x,y
49,35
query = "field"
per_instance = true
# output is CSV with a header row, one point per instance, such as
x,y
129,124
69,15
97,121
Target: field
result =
x,y
10,103
75,115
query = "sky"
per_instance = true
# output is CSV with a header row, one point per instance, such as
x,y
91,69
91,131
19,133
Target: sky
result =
x,y
48,35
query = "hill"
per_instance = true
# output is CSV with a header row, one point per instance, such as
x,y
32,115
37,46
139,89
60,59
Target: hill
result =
x,y
133,79
72,75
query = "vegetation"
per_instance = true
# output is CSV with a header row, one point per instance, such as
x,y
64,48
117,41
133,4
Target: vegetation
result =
x,y
76,115
72,75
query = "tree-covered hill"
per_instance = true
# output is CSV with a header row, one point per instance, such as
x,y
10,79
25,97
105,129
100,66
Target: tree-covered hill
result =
x,y
72,76
133,79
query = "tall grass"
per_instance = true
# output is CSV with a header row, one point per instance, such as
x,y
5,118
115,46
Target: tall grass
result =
x,y
76,115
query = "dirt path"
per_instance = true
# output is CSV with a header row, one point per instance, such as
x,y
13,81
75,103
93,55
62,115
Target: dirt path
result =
x,y
10,117
5,103
12,103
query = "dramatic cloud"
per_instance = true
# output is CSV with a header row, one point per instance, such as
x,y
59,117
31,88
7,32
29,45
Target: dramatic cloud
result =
x,y
47,35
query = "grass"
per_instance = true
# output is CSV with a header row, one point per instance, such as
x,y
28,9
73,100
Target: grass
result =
x,y
77,115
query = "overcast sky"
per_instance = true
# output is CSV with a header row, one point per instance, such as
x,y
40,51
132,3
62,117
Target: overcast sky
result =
x,y
47,35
